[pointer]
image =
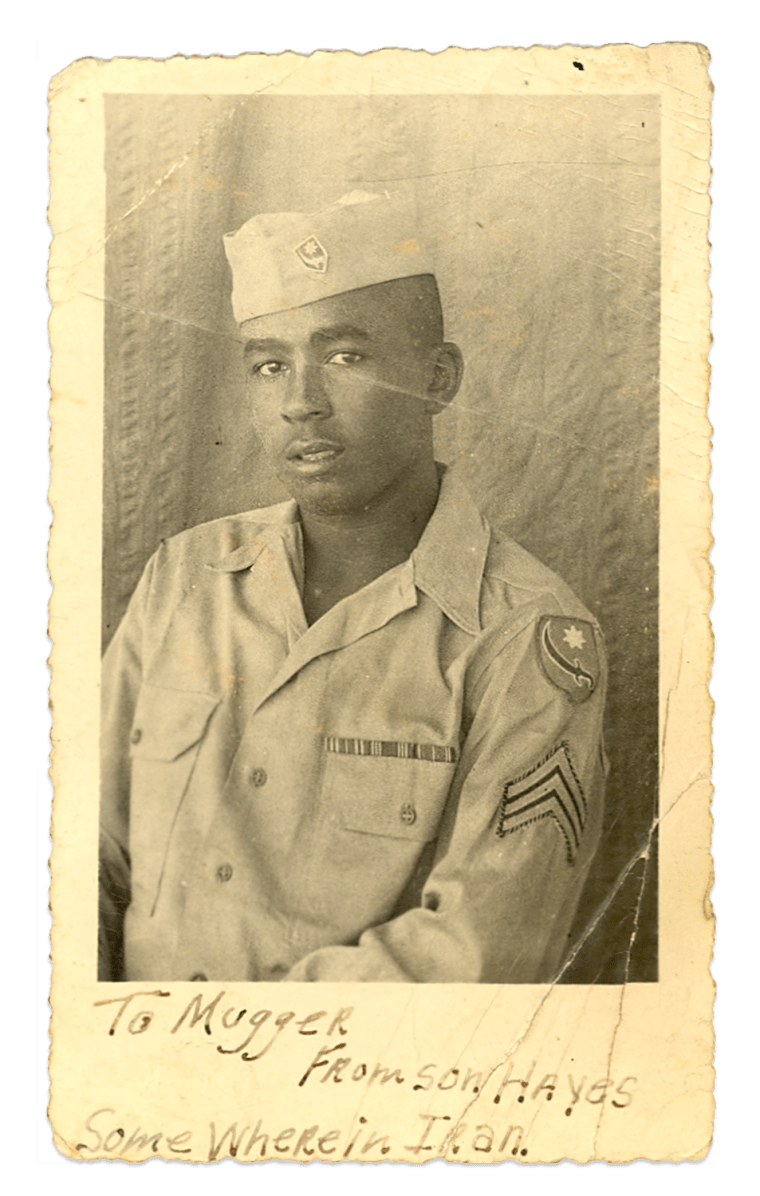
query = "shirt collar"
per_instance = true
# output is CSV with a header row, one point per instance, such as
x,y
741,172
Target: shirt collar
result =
x,y
450,557
256,530
447,563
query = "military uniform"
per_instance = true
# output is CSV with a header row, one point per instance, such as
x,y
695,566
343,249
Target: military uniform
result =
x,y
410,789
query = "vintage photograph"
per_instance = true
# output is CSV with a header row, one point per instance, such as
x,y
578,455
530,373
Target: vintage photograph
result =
x,y
380,530
381,741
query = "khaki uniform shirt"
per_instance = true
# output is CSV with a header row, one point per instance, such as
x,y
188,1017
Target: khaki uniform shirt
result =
x,y
409,789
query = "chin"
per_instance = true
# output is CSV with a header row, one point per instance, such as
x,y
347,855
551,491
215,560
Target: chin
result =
x,y
325,498
323,503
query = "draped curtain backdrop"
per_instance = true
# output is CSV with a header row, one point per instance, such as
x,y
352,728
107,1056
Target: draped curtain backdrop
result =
x,y
543,215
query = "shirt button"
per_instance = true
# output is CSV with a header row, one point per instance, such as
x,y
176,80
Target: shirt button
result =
x,y
258,777
199,977
408,814
224,872
136,735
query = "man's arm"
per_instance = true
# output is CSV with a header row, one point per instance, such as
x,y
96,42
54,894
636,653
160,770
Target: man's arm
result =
x,y
113,902
522,825
121,676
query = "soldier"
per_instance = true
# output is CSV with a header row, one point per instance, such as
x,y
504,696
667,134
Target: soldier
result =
x,y
357,735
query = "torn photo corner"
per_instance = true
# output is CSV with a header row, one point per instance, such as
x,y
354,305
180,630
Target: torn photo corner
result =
x,y
381,743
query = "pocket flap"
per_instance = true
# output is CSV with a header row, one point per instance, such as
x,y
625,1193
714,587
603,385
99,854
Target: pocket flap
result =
x,y
397,798
168,721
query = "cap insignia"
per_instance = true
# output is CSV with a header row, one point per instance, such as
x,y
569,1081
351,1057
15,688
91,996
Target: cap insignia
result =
x,y
312,255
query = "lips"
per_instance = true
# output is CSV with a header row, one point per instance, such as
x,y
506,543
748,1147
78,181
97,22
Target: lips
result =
x,y
313,452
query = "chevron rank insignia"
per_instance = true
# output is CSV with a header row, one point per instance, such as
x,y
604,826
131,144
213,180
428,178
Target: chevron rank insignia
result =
x,y
568,653
550,790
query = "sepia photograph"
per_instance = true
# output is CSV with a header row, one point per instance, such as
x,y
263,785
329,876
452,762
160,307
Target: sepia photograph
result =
x,y
380,532
381,729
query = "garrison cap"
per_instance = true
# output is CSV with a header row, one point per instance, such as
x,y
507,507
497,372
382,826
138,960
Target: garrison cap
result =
x,y
282,260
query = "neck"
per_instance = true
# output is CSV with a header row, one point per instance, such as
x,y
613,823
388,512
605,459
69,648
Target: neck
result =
x,y
346,551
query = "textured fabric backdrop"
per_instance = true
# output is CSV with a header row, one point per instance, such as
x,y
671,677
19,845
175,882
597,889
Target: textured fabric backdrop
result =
x,y
543,213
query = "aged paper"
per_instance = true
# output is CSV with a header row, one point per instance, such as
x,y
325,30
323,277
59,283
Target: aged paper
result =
x,y
564,193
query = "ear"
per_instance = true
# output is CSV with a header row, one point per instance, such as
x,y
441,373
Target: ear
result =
x,y
447,378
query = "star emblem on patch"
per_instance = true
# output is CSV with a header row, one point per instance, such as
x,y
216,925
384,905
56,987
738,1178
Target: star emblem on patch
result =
x,y
574,638
313,255
569,656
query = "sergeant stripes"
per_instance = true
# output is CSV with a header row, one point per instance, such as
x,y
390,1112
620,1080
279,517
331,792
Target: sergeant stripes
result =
x,y
433,752
550,790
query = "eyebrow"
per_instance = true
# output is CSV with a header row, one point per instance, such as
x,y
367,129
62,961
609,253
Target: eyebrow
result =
x,y
336,333
340,332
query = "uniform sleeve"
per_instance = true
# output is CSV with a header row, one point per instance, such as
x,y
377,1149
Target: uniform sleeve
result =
x,y
120,682
521,827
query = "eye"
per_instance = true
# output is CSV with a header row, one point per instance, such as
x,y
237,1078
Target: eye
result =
x,y
269,369
344,357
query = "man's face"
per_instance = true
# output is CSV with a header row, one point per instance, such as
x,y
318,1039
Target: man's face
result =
x,y
341,396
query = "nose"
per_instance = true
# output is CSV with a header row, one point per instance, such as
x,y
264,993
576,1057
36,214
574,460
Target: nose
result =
x,y
306,395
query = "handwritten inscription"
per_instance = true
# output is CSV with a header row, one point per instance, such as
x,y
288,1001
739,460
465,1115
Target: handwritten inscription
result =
x,y
440,1135
238,1033
342,1067
231,1029
106,1136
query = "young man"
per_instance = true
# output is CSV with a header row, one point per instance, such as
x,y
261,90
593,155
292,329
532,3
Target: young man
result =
x,y
356,736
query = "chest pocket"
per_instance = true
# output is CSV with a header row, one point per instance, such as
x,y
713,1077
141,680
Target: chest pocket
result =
x,y
166,736
399,795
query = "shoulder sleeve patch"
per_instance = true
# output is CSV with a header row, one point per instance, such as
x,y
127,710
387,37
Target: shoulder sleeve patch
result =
x,y
550,790
568,654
